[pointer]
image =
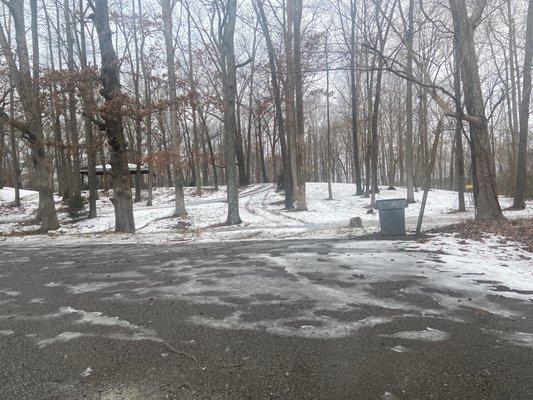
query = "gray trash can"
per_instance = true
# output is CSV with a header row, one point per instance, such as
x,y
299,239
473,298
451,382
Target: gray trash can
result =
x,y
392,216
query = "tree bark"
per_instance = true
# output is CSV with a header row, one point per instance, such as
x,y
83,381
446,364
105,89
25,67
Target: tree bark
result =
x,y
15,166
459,155
328,122
521,165
301,200
29,94
354,100
485,192
287,178
88,105
290,113
230,122
179,210
137,121
71,123
194,106
2,151
113,124
409,107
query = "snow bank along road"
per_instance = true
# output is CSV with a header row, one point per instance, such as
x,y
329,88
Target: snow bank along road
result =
x,y
305,319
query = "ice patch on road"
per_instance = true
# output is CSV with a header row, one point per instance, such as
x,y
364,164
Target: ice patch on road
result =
x,y
427,335
86,372
53,284
400,349
97,318
516,338
89,287
62,338
325,328
6,332
10,293
112,275
118,329
389,396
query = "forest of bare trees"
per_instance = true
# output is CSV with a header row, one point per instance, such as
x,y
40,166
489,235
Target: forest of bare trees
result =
x,y
224,92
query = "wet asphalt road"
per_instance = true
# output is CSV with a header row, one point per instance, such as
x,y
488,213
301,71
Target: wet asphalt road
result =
x,y
239,321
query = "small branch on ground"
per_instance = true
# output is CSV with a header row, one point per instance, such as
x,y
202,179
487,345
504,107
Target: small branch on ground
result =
x,y
183,353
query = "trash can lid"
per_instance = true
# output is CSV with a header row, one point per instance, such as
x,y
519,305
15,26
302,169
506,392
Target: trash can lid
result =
x,y
391,204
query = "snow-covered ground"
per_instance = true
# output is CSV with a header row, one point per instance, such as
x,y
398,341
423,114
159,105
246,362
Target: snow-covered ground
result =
x,y
261,210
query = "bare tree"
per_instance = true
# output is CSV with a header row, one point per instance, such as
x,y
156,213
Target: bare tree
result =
x,y
459,155
409,106
485,192
229,82
71,116
520,179
28,89
194,105
287,180
297,9
112,120
167,8
89,105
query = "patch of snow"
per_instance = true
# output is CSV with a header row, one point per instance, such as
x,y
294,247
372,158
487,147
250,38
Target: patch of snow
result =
x,y
389,396
10,293
53,284
96,318
400,349
61,338
516,338
6,332
86,372
427,335
89,287
328,328
117,329
501,268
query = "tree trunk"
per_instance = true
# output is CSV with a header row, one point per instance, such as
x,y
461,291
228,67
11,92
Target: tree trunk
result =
x,y
287,178
290,113
261,150
194,106
230,122
112,115
88,105
148,103
459,156
354,100
328,121
137,121
521,165
409,107
239,149
485,192
29,94
2,148
15,164
71,124
179,210
374,136
301,200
